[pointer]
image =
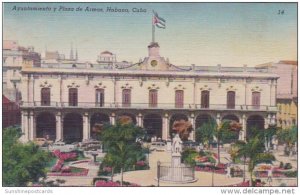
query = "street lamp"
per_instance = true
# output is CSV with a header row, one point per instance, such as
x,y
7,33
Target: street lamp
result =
x,y
158,172
244,174
148,154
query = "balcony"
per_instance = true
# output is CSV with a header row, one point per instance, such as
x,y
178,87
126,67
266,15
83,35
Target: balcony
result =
x,y
169,106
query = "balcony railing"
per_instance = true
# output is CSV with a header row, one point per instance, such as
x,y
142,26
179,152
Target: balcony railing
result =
x,y
150,106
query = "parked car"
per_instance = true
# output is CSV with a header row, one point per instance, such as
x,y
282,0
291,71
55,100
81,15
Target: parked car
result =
x,y
42,141
158,146
62,146
91,144
191,145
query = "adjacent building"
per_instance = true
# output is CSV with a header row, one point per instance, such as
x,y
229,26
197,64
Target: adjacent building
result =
x,y
287,94
10,113
64,101
14,57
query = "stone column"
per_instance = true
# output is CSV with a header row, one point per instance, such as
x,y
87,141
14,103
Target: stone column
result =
x,y
165,126
218,119
243,134
139,120
112,118
59,122
192,135
267,121
25,136
32,125
24,89
86,126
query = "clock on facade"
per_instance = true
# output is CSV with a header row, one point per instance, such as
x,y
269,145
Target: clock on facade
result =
x,y
153,63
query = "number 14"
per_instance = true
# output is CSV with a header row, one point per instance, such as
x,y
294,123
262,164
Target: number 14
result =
x,y
280,12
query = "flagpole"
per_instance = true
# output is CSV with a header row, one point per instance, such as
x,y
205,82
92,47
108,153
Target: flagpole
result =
x,y
153,30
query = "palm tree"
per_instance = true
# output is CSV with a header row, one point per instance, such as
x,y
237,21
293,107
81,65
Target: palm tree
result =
x,y
288,136
254,151
222,132
122,148
204,133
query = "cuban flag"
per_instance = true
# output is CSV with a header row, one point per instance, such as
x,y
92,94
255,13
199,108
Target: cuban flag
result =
x,y
158,21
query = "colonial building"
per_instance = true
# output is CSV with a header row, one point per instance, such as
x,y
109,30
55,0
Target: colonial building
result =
x,y
65,102
10,113
287,95
14,57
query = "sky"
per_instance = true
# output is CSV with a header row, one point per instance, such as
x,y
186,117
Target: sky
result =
x,y
205,34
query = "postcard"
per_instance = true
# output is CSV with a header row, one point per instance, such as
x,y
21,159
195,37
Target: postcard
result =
x,y
150,94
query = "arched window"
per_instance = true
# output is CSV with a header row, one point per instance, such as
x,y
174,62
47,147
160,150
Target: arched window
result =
x,y
100,97
126,97
73,97
45,96
256,99
179,98
153,98
205,99
230,99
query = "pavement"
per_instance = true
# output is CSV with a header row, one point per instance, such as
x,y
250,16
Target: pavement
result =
x,y
147,177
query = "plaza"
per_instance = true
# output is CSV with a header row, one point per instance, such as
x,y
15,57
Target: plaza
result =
x,y
148,177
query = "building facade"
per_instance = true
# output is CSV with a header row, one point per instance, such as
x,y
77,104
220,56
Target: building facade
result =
x,y
10,113
14,57
287,95
65,102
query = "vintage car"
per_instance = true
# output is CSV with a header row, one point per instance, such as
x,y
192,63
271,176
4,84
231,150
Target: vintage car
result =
x,y
158,146
62,146
42,141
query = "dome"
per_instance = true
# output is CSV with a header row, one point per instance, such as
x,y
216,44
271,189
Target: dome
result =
x,y
106,52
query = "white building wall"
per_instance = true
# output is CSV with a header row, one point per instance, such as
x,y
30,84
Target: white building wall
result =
x,y
140,90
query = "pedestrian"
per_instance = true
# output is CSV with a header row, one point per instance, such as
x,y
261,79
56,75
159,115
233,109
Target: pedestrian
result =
x,y
228,174
270,175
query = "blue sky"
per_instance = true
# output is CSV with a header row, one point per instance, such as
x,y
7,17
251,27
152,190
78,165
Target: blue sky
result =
x,y
231,34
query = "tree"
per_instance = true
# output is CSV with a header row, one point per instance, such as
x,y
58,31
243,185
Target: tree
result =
x,y
288,136
204,133
223,132
122,148
183,128
254,151
22,163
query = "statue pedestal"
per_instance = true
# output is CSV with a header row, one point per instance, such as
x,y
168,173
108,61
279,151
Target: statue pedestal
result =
x,y
176,160
177,172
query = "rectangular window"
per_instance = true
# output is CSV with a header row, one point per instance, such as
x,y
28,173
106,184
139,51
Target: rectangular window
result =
x,y
231,100
73,97
126,97
204,99
179,98
45,97
153,98
256,100
100,97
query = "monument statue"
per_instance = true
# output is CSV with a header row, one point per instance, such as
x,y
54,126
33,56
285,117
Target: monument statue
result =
x,y
176,146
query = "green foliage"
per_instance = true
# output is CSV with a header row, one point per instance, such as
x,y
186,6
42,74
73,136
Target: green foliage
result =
x,y
291,174
281,165
287,166
204,133
288,136
122,149
22,163
224,132
254,151
188,156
